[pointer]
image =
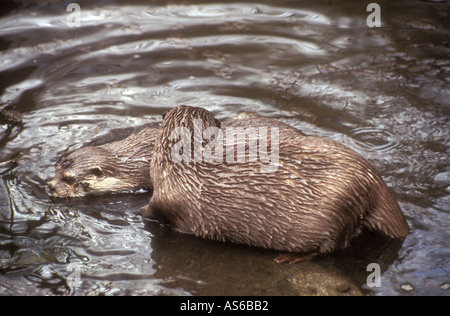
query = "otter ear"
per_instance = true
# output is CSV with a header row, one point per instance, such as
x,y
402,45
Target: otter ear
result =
x,y
218,124
97,171
164,115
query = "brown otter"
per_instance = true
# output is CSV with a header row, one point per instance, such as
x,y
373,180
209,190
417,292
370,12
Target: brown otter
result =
x,y
115,167
318,198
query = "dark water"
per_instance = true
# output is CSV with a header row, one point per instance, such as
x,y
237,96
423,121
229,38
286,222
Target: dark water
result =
x,y
314,64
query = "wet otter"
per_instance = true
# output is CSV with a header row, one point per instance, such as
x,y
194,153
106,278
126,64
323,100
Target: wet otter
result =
x,y
115,167
318,198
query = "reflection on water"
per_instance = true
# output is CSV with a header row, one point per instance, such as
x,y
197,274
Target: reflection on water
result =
x,y
315,65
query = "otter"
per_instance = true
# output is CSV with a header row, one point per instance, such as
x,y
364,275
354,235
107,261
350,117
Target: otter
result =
x,y
318,198
119,166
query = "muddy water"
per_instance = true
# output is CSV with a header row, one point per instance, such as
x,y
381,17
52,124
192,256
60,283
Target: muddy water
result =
x,y
313,64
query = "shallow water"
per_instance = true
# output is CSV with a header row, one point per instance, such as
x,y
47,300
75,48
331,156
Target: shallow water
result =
x,y
313,64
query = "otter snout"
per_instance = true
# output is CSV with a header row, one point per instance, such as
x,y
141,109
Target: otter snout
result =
x,y
57,189
52,188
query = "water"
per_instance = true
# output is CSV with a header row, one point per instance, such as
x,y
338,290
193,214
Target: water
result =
x,y
313,64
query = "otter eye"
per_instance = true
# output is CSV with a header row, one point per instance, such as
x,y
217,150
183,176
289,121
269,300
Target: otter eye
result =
x,y
97,171
69,180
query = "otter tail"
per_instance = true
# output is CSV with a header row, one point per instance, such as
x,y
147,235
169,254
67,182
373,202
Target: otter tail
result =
x,y
386,217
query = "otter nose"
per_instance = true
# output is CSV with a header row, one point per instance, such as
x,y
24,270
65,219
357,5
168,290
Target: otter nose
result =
x,y
52,187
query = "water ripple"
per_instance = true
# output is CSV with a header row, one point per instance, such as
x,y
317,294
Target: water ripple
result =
x,y
374,139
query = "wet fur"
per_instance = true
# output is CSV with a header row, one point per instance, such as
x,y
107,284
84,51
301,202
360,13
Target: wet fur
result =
x,y
321,197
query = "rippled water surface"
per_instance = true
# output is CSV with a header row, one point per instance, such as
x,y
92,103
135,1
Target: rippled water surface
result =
x,y
313,64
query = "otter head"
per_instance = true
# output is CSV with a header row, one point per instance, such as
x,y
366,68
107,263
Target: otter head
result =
x,y
86,171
